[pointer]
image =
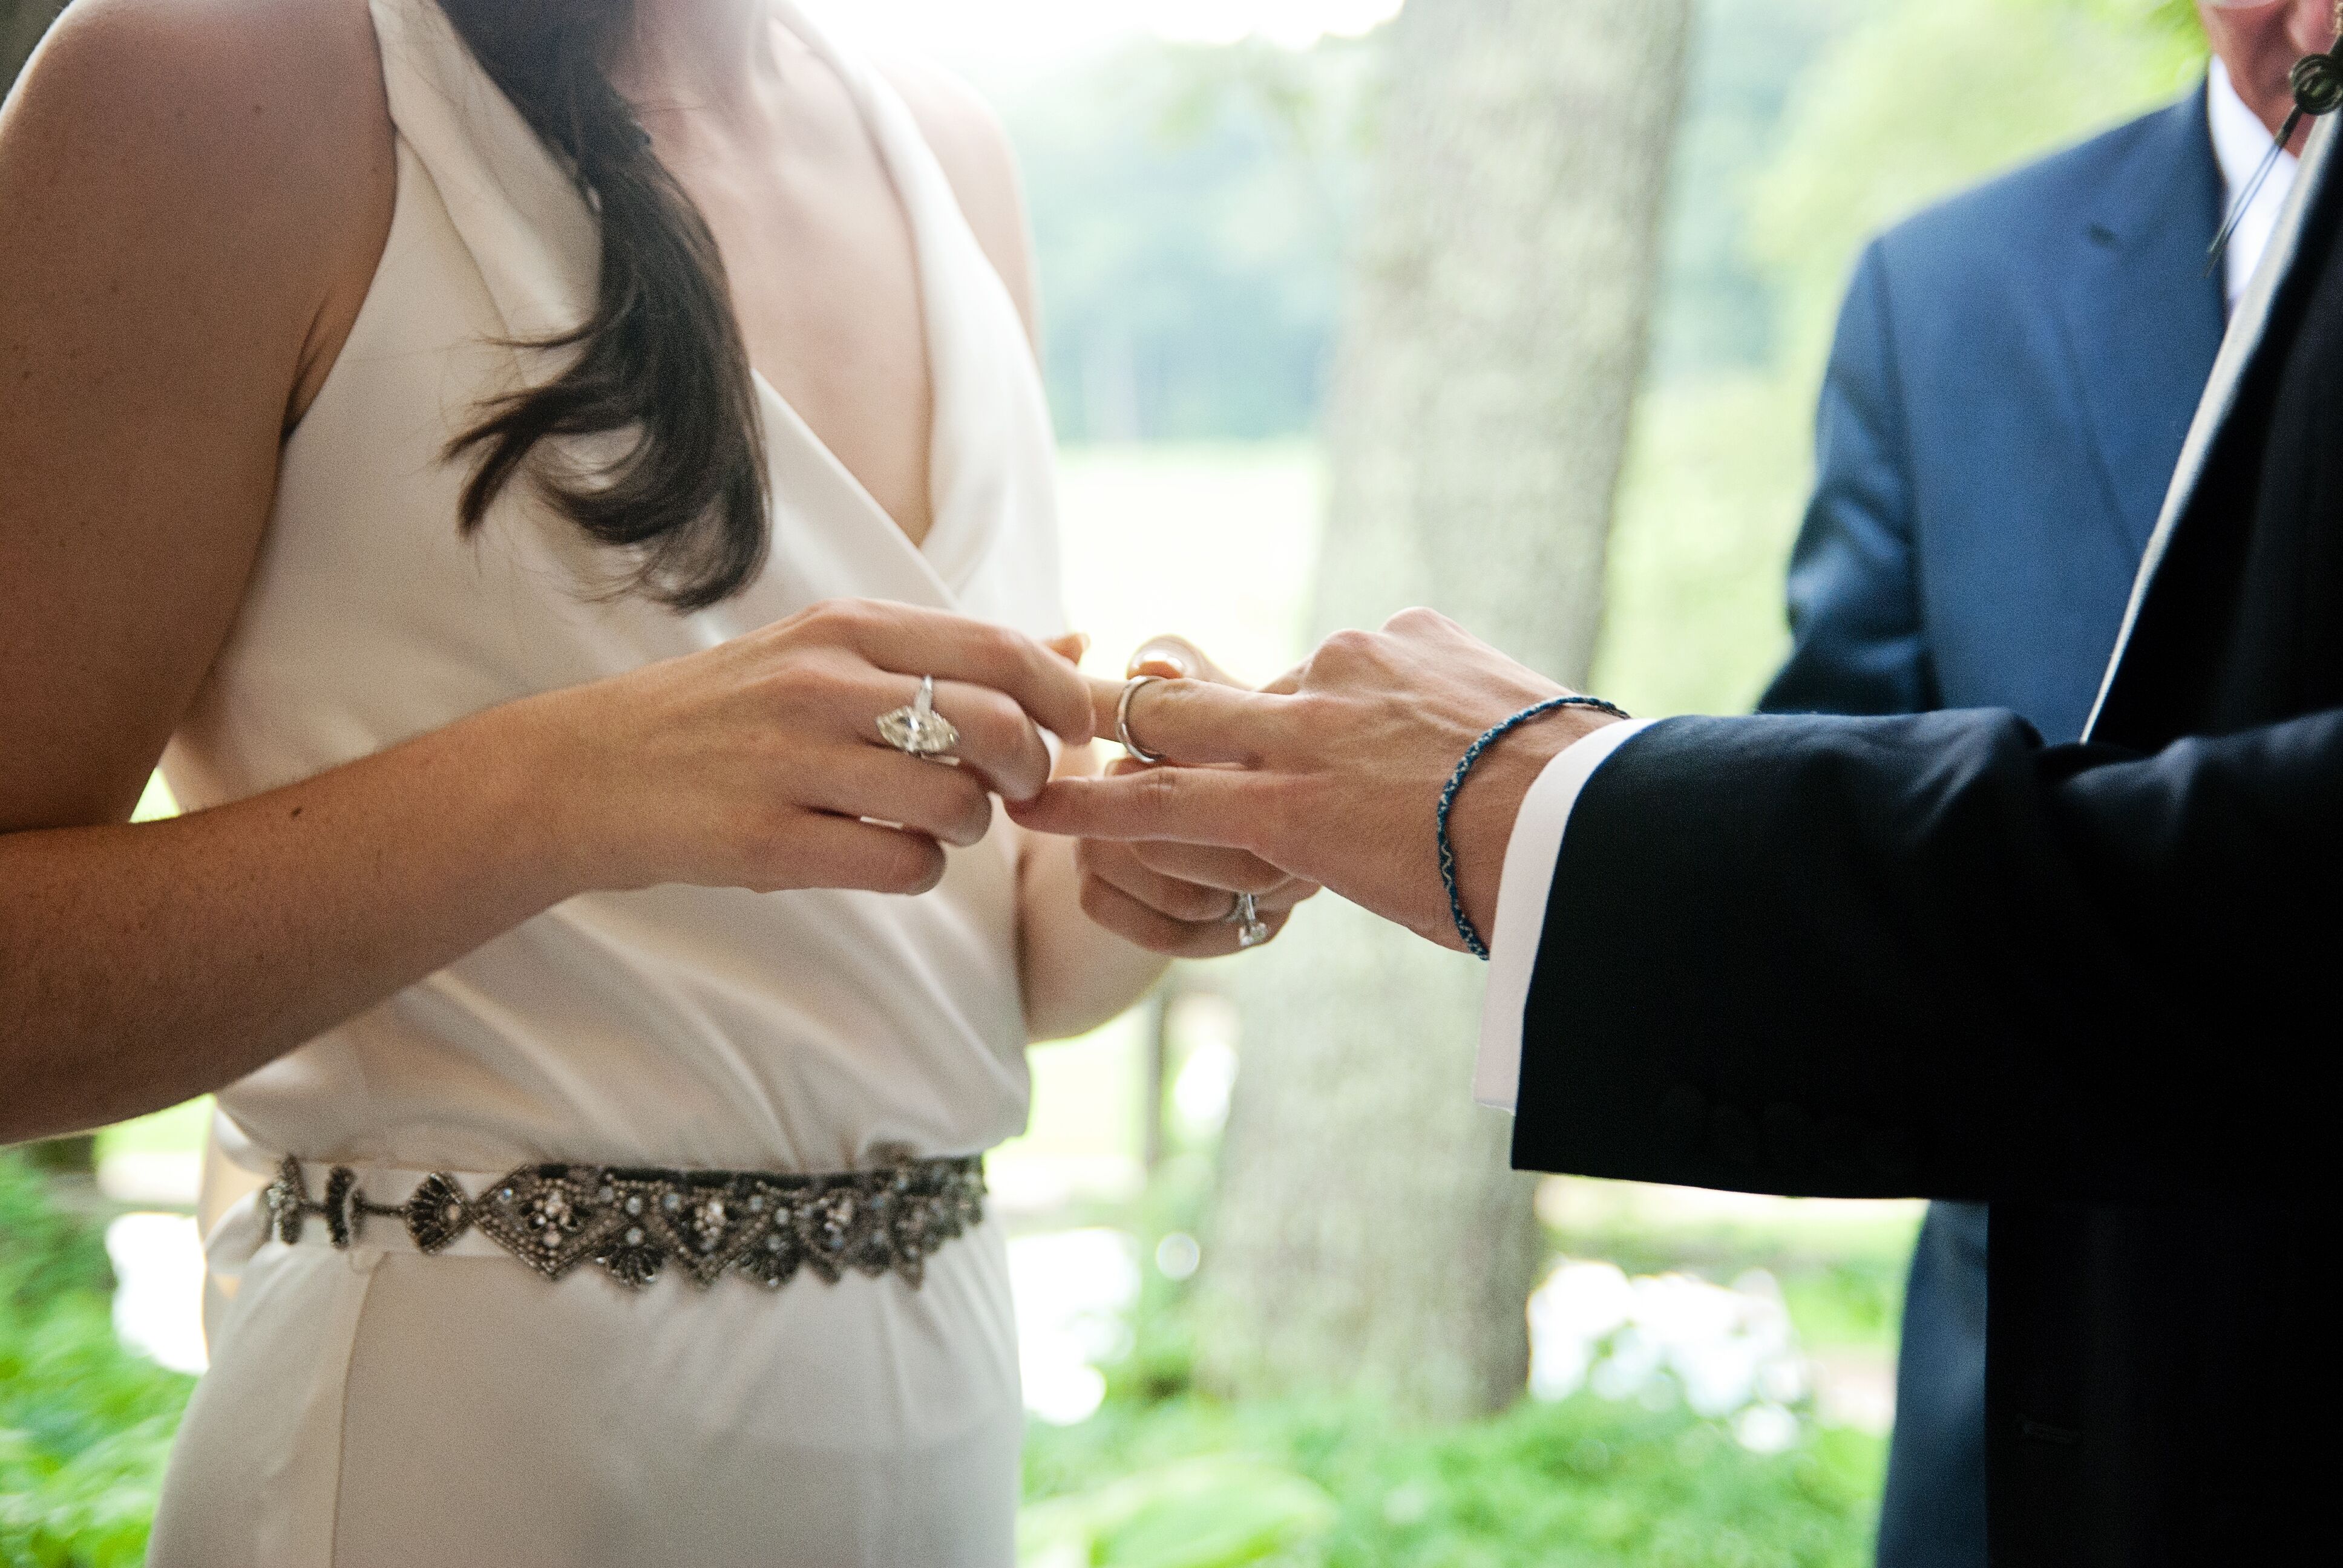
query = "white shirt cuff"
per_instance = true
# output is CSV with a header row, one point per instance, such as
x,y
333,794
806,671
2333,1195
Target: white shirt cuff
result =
x,y
1522,894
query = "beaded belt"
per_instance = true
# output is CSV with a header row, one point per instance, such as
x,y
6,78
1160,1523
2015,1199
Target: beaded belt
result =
x,y
634,1222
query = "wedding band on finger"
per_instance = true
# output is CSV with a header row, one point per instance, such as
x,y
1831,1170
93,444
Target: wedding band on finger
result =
x,y
919,730
1122,718
1251,929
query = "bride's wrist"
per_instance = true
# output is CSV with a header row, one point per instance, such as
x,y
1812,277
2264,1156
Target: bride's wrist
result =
x,y
538,783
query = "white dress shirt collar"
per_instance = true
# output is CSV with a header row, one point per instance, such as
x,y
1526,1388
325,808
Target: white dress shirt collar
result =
x,y
2240,143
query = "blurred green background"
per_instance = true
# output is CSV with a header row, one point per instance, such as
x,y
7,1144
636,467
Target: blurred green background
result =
x,y
1192,206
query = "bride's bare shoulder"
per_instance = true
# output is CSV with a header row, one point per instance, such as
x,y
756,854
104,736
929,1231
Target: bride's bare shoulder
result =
x,y
215,62
974,150
281,99
253,134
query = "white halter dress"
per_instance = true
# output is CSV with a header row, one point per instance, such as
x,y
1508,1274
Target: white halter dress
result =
x,y
376,1406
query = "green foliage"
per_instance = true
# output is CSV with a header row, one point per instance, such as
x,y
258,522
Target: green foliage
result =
x,y
1716,472
1203,1513
85,1425
1161,1362
1717,312
45,1253
1166,1476
1892,104
1928,97
1848,1301
1190,207
1582,1480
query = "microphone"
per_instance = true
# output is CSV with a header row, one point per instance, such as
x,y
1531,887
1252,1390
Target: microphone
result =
x,y
2318,83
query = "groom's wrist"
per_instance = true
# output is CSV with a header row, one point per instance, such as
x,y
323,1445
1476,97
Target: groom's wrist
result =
x,y
1481,824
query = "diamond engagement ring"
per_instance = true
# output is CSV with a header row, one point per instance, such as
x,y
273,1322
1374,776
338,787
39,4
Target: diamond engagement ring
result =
x,y
1122,720
1251,929
919,730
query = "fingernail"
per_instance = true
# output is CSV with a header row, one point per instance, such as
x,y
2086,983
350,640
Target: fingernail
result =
x,y
1159,655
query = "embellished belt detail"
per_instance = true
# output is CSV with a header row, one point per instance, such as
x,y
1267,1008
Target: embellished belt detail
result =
x,y
633,1223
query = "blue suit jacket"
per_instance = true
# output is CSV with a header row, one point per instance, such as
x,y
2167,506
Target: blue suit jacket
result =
x,y
2014,373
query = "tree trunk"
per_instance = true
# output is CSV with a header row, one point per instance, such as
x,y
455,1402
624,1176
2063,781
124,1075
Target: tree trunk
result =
x,y
1368,1236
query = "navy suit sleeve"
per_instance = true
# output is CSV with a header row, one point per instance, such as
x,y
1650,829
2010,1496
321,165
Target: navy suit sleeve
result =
x,y
1855,598
1927,955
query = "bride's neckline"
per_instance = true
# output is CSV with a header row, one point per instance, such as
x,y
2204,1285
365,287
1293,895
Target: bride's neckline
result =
x,y
856,80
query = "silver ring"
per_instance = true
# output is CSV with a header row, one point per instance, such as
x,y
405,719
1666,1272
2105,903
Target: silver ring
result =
x,y
1251,929
1122,720
919,730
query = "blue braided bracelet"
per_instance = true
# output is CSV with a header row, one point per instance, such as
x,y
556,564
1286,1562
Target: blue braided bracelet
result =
x,y
1496,732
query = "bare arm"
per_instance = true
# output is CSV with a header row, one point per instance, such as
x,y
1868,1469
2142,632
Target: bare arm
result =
x,y
186,241
193,191
193,209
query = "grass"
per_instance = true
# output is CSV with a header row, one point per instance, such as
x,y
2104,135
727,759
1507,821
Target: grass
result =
x,y
1190,1483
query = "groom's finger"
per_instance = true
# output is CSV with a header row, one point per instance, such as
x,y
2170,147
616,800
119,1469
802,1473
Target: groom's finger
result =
x,y
1183,805
1231,869
1193,721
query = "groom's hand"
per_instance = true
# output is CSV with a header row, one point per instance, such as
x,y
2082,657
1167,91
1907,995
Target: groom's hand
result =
x,y
1333,773
1182,901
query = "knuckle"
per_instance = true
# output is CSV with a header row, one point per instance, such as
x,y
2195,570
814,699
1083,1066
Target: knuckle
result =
x,y
822,679
1158,793
996,648
823,622
845,615
999,726
1318,720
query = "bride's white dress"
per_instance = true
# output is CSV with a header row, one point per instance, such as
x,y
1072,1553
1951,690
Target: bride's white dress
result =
x,y
378,1406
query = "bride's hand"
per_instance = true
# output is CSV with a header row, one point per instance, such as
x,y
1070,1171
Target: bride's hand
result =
x,y
1182,901
754,763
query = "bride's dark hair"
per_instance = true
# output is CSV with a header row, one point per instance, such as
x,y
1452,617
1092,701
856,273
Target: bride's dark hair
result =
x,y
661,366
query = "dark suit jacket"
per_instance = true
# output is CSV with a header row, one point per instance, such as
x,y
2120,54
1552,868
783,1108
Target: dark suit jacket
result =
x,y
1931,955
2045,337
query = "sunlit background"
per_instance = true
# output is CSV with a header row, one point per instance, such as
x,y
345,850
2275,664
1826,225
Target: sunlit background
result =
x,y
1021,38
1194,171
